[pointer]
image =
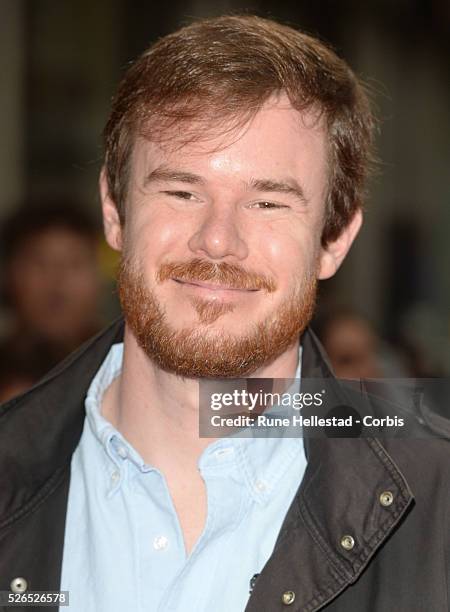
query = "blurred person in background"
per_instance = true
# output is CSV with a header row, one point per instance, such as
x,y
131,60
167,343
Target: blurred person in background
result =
x,y
50,282
355,348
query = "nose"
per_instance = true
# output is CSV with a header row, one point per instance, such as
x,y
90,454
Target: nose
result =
x,y
218,235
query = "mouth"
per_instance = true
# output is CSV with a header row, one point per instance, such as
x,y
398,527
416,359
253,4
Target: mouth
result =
x,y
213,287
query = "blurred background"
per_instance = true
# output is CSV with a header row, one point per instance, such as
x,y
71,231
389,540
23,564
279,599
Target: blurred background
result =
x,y
386,313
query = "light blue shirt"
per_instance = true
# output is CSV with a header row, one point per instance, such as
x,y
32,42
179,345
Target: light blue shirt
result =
x,y
123,547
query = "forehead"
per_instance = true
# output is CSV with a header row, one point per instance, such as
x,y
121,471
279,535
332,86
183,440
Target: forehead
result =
x,y
276,140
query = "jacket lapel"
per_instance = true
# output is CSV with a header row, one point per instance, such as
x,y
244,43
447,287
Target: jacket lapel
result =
x,y
39,432
314,560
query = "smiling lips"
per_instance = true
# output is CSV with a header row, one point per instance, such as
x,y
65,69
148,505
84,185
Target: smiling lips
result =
x,y
215,288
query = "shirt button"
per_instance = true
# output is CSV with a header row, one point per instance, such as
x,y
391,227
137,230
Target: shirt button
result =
x,y
260,486
18,585
288,598
122,451
115,476
347,542
386,498
160,543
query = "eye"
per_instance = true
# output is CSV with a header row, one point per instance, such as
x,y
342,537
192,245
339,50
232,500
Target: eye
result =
x,y
182,195
264,205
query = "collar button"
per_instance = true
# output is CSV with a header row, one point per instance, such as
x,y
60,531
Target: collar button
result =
x,y
122,452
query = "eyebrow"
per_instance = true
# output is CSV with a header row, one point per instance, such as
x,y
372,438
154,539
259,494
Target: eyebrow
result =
x,y
289,186
166,174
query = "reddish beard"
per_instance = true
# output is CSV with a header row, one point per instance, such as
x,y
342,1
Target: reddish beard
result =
x,y
193,352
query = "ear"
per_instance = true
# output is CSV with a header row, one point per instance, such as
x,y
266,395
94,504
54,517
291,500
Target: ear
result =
x,y
111,221
334,253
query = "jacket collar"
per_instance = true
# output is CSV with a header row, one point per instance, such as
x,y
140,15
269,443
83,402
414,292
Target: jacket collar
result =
x,y
339,495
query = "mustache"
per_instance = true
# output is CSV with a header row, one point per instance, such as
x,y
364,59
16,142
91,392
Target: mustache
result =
x,y
231,275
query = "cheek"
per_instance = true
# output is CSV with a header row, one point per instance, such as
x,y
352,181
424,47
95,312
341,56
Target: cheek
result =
x,y
287,255
155,237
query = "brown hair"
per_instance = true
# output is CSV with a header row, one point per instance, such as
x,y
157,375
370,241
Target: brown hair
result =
x,y
227,67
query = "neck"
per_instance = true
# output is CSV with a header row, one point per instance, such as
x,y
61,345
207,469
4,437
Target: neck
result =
x,y
157,411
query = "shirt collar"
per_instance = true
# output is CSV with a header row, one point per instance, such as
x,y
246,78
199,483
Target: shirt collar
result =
x,y
117,448
260,461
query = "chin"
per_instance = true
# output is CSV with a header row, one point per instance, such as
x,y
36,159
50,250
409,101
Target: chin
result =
x,y
213,330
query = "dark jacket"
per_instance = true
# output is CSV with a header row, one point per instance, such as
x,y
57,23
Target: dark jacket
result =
x,y
400,558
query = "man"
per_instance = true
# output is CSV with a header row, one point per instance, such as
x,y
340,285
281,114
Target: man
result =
x,y
236,153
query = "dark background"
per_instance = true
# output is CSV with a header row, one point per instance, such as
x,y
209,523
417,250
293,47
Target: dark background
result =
x,y
60,62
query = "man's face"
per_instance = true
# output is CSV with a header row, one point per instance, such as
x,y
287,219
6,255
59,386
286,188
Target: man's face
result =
x,y
221,244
